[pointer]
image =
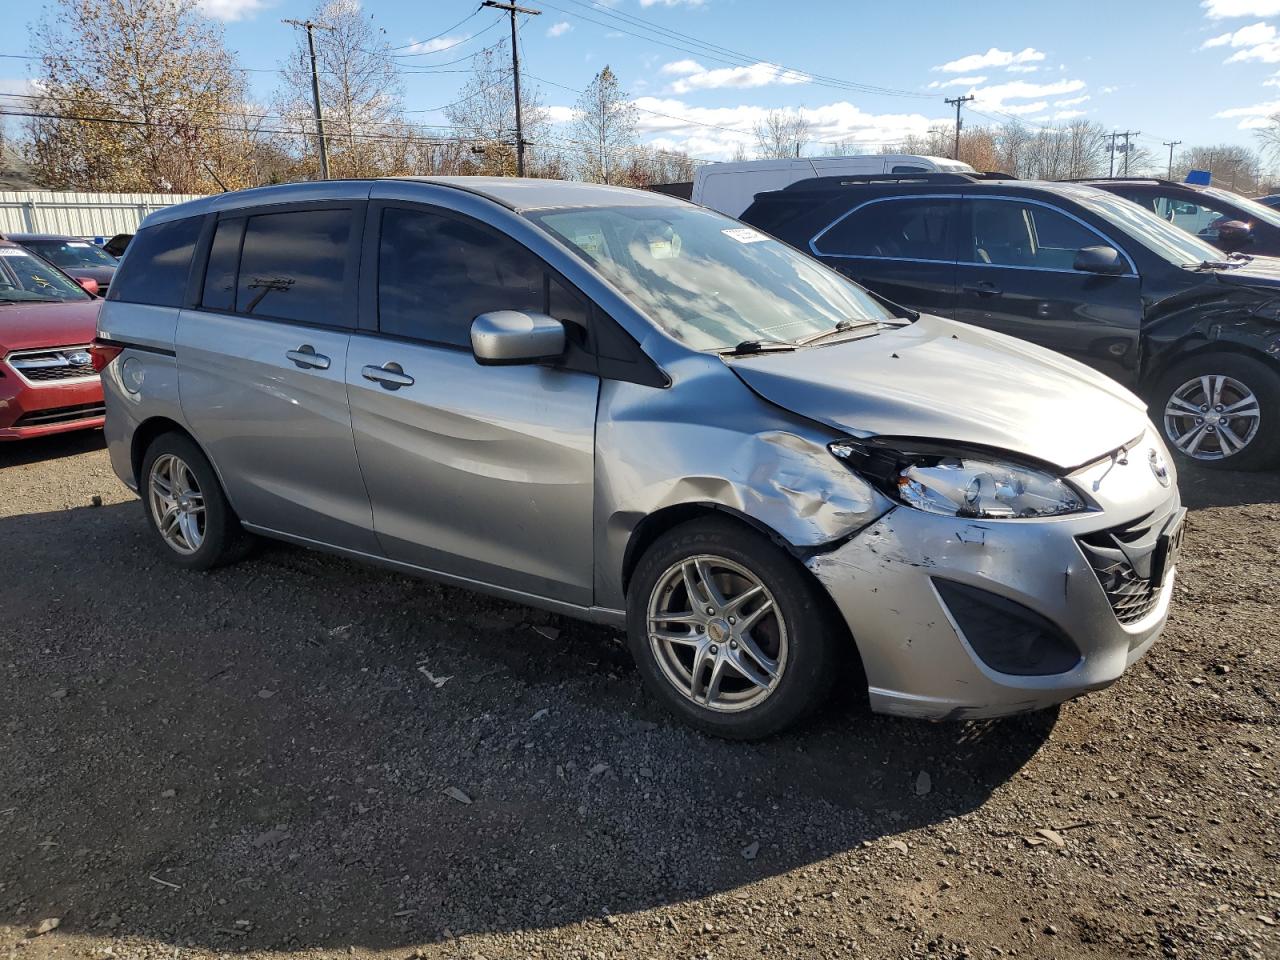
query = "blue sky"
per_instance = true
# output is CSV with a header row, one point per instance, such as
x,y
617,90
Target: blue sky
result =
x,y
1200,71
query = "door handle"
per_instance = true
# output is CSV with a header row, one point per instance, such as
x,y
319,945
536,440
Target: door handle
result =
x,y
983,288
306,357
390,376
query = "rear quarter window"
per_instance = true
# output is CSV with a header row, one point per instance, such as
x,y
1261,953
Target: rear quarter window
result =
x,y
155,267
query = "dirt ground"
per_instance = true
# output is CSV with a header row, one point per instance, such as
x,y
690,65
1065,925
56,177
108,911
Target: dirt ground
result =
x,y
301,757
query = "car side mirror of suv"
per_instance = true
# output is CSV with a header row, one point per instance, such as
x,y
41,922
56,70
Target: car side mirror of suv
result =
x,y
89,284
510,336
1100,259
1234,235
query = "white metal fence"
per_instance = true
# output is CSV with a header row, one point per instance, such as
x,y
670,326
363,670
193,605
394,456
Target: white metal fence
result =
x,y
88,215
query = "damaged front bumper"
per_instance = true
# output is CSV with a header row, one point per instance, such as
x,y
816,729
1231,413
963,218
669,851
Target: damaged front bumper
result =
x,y
957,618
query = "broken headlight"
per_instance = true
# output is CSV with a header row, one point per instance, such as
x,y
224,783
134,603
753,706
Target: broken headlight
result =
x,y
959,483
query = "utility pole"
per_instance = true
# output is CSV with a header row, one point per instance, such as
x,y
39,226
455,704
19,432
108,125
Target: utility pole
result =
x,y
1171,144
512,9
310,25
958,102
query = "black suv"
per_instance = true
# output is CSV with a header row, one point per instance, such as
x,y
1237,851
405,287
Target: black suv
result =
x,y
1227,220
1072,268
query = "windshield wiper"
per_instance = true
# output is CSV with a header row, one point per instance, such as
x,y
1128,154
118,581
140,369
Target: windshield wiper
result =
x,y
1213,265
844,326
747,347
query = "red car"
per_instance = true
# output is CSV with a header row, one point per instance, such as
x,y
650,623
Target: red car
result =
x,y
48,383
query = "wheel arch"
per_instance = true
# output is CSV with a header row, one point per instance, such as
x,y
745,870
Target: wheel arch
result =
x,y
146,433
1259,348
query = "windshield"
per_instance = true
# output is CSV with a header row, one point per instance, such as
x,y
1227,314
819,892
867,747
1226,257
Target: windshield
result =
x,y
27,278
1159,236
1252,207
70,254
710,281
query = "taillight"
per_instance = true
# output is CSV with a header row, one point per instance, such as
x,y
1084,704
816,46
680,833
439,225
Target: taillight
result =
x,y
103,353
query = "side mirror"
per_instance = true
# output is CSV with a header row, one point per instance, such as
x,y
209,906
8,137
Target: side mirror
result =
x,y
1233,235
90,285
509,337
1100,259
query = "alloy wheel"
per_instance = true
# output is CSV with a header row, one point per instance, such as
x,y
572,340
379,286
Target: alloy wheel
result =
x,y
1212,417
717,634
177,505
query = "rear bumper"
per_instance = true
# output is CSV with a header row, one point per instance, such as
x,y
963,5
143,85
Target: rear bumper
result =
x,y
28,411
926,656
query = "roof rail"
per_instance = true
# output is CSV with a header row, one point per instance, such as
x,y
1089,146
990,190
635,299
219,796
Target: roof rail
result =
x,y
823,184
1162,181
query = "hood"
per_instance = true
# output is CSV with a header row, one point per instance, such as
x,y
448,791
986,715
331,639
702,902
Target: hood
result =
x,y
1258,272
940,380
29,326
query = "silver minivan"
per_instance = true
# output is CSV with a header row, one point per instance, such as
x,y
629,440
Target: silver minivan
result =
x,y
622,407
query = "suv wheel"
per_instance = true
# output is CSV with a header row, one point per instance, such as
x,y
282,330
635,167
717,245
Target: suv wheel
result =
x,y
1221,410
728,631
186,508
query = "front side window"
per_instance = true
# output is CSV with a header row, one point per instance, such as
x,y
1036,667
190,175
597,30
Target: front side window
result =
x,y
155,267
914,229
24,278
293,266
709,281
72,254
1013,233
437,273
1195,218
1139,223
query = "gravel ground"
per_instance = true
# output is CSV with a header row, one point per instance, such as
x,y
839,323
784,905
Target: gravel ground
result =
x,y
302,757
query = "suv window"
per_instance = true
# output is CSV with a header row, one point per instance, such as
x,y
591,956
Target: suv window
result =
x,y
1013,233
437,273
293,266
157,263
917,228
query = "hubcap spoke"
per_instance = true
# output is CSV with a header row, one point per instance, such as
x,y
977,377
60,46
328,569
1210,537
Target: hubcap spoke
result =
x,y
714,597
1178,406
1247,407
1230,442
755,616
735,605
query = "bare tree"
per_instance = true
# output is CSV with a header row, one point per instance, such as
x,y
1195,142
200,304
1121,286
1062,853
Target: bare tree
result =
x,y
604,128
1231,165
360,90
485,114
136,96
782,133
1012,141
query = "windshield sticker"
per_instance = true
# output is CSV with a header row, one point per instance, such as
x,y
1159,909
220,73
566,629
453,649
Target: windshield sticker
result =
x,y
78,243
11,252
744,234
590,241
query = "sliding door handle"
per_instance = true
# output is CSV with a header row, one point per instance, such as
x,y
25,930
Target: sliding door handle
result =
x,y
390,376
306,357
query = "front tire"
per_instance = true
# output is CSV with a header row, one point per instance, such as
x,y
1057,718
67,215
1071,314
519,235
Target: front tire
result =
x,y
1221,410
729,632
186,508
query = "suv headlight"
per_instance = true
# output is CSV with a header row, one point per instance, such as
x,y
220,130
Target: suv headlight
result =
x,y
958,483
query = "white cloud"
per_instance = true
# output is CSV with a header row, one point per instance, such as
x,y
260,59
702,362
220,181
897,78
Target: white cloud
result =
x,y
1024,109
560,114
1262,52
957,82
996,97
229,10
435,44
1251,117
1249,36
693,76
1022,68
992,58
1069,114
1072,102
714,132
1226,9
559,29
1108,89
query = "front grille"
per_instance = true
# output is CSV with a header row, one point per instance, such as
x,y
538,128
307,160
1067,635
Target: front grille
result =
x,y
42,418
44,366
1128,564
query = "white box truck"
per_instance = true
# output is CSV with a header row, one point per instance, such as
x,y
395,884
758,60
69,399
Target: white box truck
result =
x,y
730,187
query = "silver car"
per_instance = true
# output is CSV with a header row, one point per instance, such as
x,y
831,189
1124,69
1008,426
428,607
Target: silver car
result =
x,y
621,407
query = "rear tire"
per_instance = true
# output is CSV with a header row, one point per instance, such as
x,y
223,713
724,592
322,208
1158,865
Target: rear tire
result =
x,y
193,523
746,659
1220,410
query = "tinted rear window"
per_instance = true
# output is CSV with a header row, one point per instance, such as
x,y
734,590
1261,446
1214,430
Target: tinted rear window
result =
x,y
293,266
156,264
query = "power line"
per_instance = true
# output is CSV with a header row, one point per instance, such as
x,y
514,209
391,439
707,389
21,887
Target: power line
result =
x,y
416,43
